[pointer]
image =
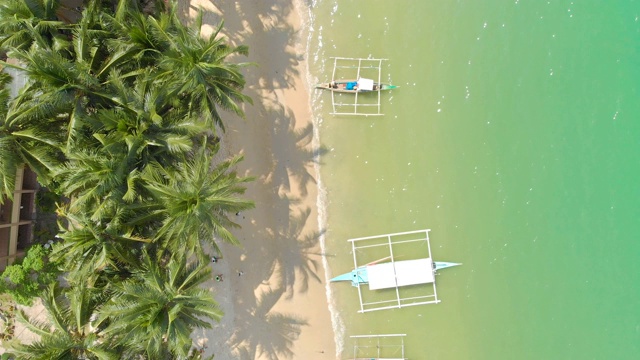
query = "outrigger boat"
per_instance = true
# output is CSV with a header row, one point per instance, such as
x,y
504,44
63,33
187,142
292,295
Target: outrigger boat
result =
x,y
390,278
356,76
353,86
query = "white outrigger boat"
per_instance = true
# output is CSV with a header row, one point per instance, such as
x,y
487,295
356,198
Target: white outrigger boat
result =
x,y
394,274
378,347
354,86
358,76
413,269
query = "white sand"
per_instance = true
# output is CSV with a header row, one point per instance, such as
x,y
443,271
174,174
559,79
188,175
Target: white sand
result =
x,y
278,308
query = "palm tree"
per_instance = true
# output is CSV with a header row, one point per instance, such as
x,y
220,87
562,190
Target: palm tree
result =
x,y
22,143
23,23
196,70
89,248
70,332
148,126
69,85
61,92
10,159
157,309
194,202
107,180
96,181
193,69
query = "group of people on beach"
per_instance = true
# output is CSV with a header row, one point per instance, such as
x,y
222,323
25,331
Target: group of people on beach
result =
x,y
218,277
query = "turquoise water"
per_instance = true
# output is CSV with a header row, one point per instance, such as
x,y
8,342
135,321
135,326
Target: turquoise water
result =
x,y
515,137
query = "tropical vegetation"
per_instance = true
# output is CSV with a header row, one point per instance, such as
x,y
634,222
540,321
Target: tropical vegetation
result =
x,y
25,279
122,115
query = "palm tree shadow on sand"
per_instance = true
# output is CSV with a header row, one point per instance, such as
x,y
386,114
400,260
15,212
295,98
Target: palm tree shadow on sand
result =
x,y
265,21
295,266
283,267
294,146
284,255
270,334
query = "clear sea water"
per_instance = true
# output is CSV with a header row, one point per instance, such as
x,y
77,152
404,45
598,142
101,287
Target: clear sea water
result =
x,y
514,137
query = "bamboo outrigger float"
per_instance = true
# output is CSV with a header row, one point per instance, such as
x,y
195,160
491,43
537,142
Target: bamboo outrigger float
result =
x,y
357,83
390,277
378,347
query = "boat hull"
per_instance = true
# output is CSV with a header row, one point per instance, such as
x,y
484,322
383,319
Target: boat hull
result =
x,y
360,276
341,87
439,265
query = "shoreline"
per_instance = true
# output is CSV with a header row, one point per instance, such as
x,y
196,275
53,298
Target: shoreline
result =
x,y
274,292
337,324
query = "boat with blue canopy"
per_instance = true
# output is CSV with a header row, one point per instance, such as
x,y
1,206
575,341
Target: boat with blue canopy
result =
x,y
356,85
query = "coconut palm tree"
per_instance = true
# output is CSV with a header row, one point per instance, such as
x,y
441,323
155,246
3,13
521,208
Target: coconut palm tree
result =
x,y
194,202
10,159
70,332
89,247
196,70
156,310
23,23
21,143
148,126
96,181
123,143
61,92
120,109
69,85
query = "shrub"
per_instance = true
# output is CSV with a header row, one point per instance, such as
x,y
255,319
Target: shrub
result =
x,y
24,280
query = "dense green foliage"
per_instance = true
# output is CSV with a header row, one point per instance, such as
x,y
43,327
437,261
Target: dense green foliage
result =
x,y
156,309
122,114
74,335
27,278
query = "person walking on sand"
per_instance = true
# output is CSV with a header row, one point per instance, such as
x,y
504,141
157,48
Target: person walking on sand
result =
x,y
219,277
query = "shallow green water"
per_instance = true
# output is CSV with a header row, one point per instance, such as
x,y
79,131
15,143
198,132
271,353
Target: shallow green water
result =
x,y
515,137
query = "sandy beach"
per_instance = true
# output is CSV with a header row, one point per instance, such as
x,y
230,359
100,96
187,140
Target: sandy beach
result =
x,y
272,290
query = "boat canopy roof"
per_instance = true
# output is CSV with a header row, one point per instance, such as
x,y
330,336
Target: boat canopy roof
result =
x,y
365,84
400,273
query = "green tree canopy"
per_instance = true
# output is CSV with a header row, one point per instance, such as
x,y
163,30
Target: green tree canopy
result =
x,y
122,115
70,331
156,310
